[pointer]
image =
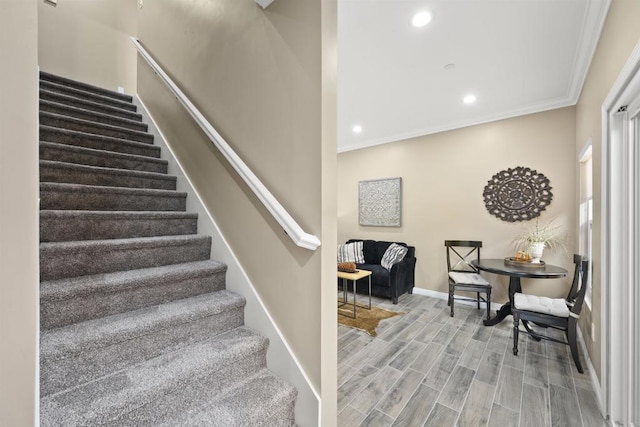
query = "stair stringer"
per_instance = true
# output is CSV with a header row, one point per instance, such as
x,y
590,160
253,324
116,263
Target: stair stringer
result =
x,y
281,359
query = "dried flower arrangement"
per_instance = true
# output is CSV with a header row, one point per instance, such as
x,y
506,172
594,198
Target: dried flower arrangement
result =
x,y
549,234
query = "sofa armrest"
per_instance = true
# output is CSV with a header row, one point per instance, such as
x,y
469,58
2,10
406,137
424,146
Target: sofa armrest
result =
x,y
402,275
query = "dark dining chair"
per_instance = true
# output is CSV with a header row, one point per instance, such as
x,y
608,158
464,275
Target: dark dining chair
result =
x,y
557,313
463,276
575,283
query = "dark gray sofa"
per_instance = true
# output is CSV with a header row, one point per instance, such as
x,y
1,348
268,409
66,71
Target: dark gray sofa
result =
x,y
384,283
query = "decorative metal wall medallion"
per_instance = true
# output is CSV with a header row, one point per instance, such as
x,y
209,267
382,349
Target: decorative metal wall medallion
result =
x,y
517,194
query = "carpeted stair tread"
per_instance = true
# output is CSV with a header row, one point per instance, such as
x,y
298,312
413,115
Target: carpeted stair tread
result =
x,y
79,113
257,400
99,142
65,122
60,343
84,86
136,326
92,157
61,98
105,400
91,349
151,286
94,97
59,260
52,171
70,225
63,196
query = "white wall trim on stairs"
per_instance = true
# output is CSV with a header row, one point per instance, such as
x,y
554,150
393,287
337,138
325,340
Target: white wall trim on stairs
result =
x,y
280,214
280,357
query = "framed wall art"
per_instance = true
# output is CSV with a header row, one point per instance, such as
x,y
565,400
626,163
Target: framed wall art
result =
x,y
379,202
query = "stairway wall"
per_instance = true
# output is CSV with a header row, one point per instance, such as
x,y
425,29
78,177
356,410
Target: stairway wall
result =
x,y
18,214
88,41
256,75
279,359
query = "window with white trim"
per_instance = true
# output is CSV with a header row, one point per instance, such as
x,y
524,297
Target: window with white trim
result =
x,y
586,212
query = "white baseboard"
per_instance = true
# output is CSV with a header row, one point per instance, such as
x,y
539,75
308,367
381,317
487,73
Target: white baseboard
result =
x,y
445,296
595,383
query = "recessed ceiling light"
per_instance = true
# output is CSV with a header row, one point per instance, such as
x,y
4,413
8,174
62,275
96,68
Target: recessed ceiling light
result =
x,y
421,19
469,99
357,129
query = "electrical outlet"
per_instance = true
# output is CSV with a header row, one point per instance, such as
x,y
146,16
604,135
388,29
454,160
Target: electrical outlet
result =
x,y
593,331
120,89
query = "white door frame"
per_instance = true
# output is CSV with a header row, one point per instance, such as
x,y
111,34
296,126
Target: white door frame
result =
x,y
620,243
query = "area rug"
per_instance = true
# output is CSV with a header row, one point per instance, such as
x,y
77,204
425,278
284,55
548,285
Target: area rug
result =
x,y
366,320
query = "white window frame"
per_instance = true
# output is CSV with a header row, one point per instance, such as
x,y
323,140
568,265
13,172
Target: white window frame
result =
x,y
586,213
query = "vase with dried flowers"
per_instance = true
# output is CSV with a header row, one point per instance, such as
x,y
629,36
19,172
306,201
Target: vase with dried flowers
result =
x,y
535,239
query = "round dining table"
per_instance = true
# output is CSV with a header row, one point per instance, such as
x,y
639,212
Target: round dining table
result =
x,y
515,273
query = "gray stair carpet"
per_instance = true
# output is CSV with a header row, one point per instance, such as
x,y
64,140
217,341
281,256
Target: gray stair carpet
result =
x,y
136,326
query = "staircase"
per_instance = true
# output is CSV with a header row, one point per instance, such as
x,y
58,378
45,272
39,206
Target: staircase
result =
x,y
137,328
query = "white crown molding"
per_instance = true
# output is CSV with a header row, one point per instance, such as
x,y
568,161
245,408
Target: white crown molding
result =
x,y
516,112
264,3
594,17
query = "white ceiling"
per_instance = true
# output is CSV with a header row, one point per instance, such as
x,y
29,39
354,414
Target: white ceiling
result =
x,y
516,56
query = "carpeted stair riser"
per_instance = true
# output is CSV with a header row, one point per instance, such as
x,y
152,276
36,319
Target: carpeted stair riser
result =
x,y
55,196
101,158
68,225
80,353
103,402
78,113
108,177
97,142
64,122
60,260
284,418
258,400
89,96
44,76
60,98
77,299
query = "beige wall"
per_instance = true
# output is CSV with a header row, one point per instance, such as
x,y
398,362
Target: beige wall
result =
x,y
88,40
18,213
256,75
443,177
329,355
619,37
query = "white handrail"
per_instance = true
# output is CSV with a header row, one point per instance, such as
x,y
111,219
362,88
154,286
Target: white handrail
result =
x,y
279,213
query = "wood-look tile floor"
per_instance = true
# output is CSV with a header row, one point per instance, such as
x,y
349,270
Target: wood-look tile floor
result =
x,y
426,368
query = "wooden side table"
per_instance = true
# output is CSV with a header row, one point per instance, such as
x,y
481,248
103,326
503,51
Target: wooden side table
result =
x,y
353,277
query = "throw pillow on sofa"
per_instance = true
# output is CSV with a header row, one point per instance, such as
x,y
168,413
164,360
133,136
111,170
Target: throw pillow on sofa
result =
x,y
394,254
351,252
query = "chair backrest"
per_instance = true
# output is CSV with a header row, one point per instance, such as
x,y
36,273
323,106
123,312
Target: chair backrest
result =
x,y
460,253
584,275
573,290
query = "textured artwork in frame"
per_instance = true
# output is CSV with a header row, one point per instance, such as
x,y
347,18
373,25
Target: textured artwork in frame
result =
x,y
380,202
